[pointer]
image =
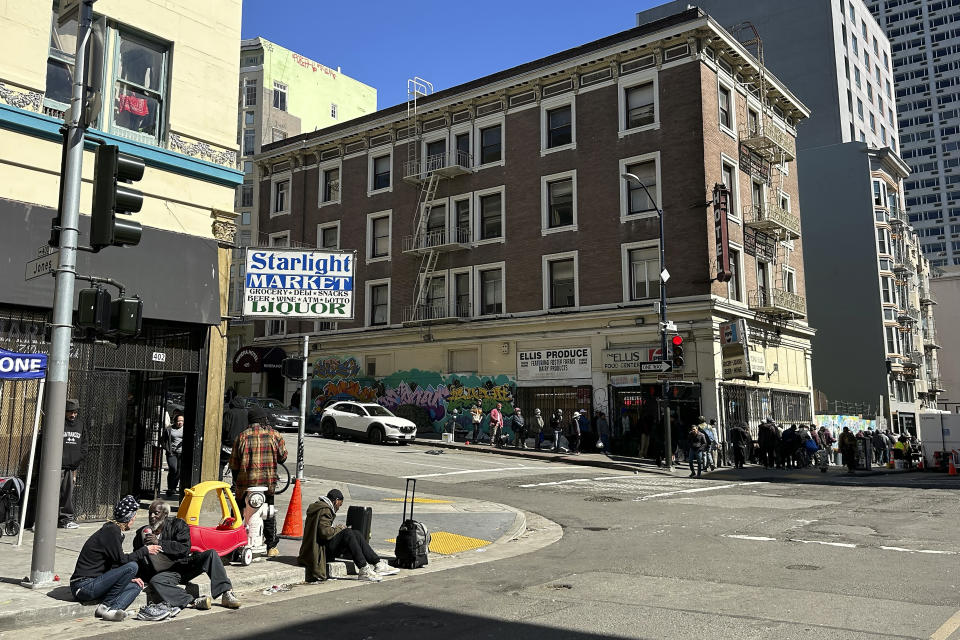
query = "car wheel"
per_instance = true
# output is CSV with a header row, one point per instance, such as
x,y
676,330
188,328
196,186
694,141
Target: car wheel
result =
x,y
375,435
328,428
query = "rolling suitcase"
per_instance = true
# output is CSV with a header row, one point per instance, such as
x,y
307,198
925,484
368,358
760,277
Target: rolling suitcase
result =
x,y
413,539
361,519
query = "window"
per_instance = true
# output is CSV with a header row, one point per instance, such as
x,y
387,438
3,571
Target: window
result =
x,y
641,272
789,280
330,183
279,239
280,96
248,118
491,290
635,200
437,223
559,127
856,77
461,293
63,46
873,123
870,92
756,197
380,172
246,195
886,289
561,274
276,327
333,110
883,241
378,232
753,122
378,303
328,236
436,300
558,193
640,104
726,107
733,285
248,142
281,196
461,143
461,212
728,175
490,144
490,211
860,108
139,88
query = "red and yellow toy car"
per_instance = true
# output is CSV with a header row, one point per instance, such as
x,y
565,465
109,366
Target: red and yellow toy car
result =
x,y
229,538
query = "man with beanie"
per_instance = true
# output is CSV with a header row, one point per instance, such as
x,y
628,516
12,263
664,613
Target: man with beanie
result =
x,y
104,572
176,564
253,460
338,541
74,452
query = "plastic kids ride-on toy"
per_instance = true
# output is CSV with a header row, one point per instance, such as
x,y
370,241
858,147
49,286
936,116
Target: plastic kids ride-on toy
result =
x,y
229,538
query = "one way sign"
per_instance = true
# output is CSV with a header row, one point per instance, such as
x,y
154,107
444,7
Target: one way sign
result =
x,y
661,366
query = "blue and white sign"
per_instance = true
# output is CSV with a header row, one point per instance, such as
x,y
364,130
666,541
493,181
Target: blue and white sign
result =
x,y
298,284
22,366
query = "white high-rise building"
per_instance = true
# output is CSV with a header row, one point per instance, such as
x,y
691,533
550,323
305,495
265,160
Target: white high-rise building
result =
x,y
925,45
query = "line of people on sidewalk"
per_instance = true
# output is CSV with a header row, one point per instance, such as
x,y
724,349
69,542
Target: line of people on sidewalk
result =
x,y
547,436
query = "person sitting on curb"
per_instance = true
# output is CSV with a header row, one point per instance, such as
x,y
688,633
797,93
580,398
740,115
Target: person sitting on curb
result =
x,y
104,572
323,540
176,565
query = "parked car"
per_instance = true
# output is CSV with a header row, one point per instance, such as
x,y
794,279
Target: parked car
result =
x,y
280,416
371,420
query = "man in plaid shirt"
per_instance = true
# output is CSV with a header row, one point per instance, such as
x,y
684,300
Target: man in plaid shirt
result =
x,y
253,460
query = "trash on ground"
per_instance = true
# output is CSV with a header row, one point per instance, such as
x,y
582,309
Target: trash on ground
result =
x,y
434,452
277,588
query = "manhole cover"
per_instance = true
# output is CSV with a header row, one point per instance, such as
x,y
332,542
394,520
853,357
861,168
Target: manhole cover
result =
x,y
596,528
603,499
803,567
559,586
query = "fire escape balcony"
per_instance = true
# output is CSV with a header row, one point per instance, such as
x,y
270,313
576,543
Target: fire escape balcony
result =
x,y
908,314
441,240
772,218
930,340
435,312
770,141
448,164
926,298
778,302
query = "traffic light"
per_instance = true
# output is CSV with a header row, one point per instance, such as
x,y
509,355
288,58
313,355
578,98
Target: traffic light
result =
x,y
292,368
113,171
677,341
93,310
126,316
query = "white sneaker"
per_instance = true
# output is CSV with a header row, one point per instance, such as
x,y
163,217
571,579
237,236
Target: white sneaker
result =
x,y
367,573
114,615
101,609
385,569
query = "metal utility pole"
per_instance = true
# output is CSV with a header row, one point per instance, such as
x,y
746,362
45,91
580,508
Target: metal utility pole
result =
x,y
304,390
664,276
45,531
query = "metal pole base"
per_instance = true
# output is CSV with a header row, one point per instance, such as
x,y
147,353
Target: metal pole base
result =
x,y
40,580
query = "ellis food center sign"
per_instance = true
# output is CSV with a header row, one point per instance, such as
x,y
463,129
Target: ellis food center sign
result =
x,y
297,283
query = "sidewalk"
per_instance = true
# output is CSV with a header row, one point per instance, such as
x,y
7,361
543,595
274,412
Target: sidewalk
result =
x,y
645,465
458,525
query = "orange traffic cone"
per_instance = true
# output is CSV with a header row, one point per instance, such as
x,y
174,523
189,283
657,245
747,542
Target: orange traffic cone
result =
x,y
952,469
293,523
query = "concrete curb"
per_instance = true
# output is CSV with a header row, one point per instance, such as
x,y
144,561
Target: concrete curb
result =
x,y
521,453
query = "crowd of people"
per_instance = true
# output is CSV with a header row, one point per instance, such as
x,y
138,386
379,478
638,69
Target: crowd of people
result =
x,y
547,434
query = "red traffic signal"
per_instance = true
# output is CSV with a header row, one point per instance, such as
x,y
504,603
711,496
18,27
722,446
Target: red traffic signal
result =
x,y
677,340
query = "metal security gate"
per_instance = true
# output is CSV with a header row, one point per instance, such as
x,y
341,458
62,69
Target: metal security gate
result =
x,y
103,404
549,399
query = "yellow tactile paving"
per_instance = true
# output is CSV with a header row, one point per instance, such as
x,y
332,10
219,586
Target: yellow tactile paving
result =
x,y
447,543
421,500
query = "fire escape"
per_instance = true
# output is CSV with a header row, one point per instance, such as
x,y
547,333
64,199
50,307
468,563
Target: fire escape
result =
x,y
767,147
436,231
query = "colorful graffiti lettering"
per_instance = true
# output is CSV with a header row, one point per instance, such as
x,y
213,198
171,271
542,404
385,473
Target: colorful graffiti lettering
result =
x,y
426,397
336,368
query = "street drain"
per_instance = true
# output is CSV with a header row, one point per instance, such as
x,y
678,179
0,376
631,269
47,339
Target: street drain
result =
x,y
804,567
603,499
559,587
596,528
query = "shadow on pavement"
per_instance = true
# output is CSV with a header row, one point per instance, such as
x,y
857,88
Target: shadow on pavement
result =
x,y
838,477
400,620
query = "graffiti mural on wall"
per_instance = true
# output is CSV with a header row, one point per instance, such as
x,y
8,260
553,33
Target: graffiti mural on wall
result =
x,y
428,398
836,423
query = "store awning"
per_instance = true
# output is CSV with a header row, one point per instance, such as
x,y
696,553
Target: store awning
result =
x,y
258,359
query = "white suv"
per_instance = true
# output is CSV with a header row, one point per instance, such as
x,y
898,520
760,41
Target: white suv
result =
x,y
365,419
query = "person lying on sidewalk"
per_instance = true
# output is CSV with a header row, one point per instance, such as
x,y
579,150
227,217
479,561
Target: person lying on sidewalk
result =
x,y
104,572
176,564
323,541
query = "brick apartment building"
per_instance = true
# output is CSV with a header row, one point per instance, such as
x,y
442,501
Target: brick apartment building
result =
x,y
502,257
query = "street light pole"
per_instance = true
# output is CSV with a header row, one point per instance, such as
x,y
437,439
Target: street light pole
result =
x,y
668,445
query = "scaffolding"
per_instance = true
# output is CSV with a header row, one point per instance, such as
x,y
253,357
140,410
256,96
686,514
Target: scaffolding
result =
x,y
434,232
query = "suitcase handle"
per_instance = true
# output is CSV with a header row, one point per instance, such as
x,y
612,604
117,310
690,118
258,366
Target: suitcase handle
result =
x,y
413,497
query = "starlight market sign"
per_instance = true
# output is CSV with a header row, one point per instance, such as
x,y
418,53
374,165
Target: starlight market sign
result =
x,y
298,283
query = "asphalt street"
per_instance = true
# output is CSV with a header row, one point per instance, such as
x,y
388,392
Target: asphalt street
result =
x,y
642,556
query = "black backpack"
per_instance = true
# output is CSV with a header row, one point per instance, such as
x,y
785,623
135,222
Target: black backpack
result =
x,y
413,539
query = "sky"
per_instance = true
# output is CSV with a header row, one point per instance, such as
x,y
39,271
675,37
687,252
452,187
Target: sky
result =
x,y
382,43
